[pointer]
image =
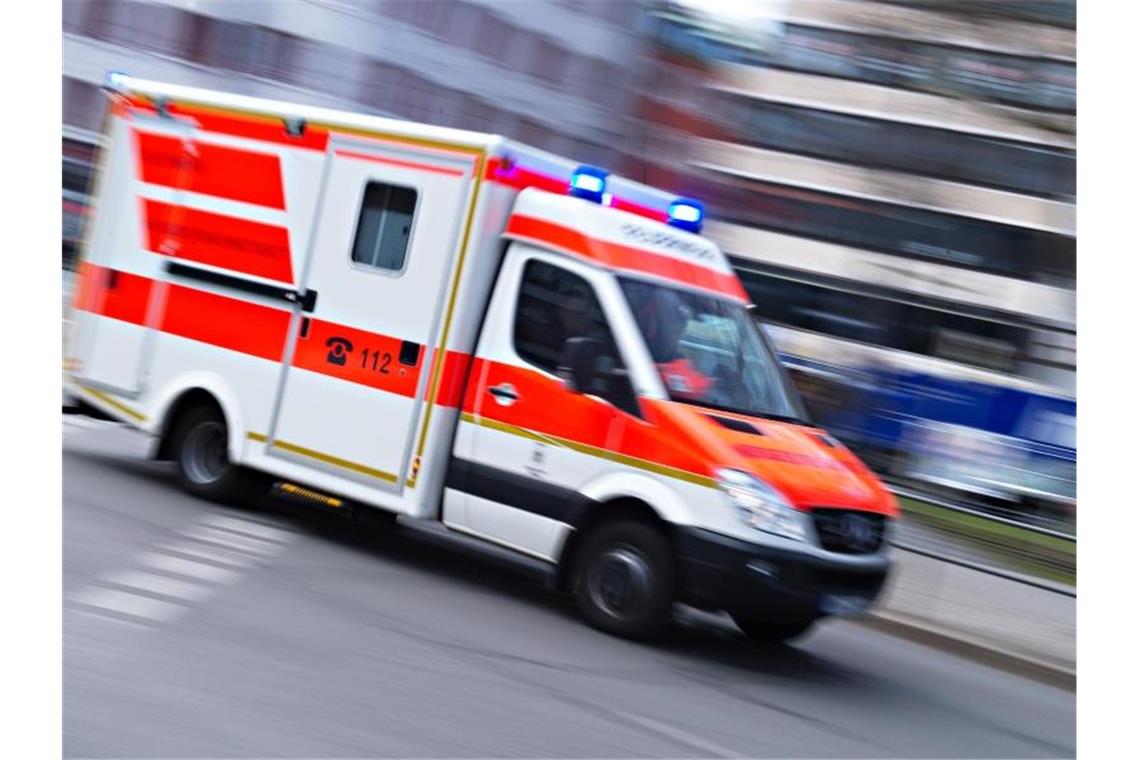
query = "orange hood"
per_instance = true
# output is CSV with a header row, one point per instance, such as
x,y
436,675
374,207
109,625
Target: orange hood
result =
x,y
808,466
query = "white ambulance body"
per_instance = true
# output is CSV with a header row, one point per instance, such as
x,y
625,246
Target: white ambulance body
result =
x,y
441,324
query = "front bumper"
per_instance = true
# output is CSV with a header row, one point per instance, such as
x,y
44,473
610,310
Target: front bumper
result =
x,y
770,583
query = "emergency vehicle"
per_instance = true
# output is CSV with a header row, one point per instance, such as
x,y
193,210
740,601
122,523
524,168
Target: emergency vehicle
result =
x,y
454,327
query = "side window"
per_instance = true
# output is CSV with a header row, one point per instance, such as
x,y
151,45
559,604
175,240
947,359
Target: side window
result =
x,y
554,305
384,226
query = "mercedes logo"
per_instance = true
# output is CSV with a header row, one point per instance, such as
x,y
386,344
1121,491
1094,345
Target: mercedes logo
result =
x,y
858,532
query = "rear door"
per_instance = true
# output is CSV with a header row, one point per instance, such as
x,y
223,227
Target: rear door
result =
x,y
387,233
119,282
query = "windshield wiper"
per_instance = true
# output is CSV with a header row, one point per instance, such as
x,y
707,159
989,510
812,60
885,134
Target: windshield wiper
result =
x,y
778,417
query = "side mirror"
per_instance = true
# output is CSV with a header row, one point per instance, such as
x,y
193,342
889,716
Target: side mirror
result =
x,y
579,363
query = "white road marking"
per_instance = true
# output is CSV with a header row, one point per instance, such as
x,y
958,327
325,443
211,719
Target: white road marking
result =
x,y
213,554
226,545
127,603
160,584
189,568
256,530
232,540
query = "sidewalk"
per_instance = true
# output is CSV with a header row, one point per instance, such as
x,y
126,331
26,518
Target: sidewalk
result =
x,y
939,600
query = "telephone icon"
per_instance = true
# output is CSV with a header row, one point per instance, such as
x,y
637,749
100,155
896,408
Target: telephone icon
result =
x,y
339,349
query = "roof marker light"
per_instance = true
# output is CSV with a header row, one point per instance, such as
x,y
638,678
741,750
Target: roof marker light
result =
x,y
687,214
115,81
588,182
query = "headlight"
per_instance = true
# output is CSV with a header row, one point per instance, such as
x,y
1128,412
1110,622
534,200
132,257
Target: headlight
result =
x,y
761,506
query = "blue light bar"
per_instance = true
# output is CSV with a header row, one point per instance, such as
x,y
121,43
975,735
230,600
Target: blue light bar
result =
x,y
588,182
687,214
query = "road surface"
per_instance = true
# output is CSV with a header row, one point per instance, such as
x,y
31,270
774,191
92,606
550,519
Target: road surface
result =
x,y
193,630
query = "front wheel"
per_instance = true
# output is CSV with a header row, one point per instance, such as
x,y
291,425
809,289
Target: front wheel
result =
x,y
770,632
624,579
201,454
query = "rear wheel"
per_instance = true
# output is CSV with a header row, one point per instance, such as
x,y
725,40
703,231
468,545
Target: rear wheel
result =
x,y
768,631
201,453
624,579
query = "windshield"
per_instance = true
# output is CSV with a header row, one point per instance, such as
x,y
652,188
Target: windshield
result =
x,y
709,351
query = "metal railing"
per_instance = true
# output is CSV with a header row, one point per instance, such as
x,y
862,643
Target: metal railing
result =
x,y
951,506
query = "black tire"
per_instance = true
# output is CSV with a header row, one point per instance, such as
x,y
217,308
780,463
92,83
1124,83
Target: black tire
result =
x,y
201,454
624,579
766,631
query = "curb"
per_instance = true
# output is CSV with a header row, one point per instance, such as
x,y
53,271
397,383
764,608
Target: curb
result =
x,y
986,654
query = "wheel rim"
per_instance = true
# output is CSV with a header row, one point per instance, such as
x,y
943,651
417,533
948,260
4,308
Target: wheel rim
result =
x,y
204,456
619,582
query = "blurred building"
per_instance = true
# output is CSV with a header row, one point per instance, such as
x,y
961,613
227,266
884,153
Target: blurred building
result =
x,y
895,183
896,175
558,74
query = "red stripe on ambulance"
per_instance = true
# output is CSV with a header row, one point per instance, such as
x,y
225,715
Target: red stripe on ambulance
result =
x,y
456,366
232,323
220,171
358,356
259,330
218,240
114,294
618,256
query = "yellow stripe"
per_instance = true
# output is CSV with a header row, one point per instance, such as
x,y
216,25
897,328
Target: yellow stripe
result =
x,y
137,415
311,494
442,351
326,458
613,456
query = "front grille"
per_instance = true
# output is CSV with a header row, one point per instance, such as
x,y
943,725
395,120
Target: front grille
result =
x,y
849,531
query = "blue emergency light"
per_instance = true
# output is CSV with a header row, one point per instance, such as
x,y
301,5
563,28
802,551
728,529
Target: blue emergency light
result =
x,y
588,182
687,214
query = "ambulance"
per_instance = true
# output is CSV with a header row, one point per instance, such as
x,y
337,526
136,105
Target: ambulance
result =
x,y
458,329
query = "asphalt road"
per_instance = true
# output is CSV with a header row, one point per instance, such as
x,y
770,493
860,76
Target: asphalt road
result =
x,y
195,630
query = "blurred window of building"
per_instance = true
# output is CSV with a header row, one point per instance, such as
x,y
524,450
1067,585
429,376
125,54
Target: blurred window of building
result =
x,y
1007,79
93,19
462,24
549,61
247,48
1061,13
520,54
926,151
991,344
472,113
401,10
906,231
83,104
76,175
432,17
74,15
493,36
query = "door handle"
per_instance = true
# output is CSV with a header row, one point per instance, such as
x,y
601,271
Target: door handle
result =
x,y
504,393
